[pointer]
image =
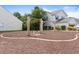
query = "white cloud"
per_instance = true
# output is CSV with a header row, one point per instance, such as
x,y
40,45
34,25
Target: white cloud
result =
x,y
46,10
72,11
49,10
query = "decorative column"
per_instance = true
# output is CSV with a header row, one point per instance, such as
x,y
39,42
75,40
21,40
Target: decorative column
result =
x,y
67,28
54,26
28,25
41,25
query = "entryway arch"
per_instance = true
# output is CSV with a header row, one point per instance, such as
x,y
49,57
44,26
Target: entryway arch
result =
x,y
28,25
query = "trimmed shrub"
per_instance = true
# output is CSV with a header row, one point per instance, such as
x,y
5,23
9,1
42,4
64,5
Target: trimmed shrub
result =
x,y
71,27
57,28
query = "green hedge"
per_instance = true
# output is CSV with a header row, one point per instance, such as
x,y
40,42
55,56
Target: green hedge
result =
x,y
71,27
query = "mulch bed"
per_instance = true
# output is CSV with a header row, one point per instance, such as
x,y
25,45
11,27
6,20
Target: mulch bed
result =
x,y
36,46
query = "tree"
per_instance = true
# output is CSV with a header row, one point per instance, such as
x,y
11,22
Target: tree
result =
x,y
17,14
38,13
22,18
35,24
45,17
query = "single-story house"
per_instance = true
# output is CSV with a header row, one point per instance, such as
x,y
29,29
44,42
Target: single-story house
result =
x,y
8,21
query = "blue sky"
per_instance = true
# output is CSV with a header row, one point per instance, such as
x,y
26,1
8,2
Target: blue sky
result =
x,y
71,10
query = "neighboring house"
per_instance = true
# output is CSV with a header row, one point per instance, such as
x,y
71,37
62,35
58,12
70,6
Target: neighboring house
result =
x,y
74,21
53,17
8,21
59,18
68,21
61,23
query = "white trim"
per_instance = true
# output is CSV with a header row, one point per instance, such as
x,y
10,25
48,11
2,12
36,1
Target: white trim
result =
x,y
42,39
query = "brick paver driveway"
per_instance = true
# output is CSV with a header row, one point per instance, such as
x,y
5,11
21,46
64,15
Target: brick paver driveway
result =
x,y
38,46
